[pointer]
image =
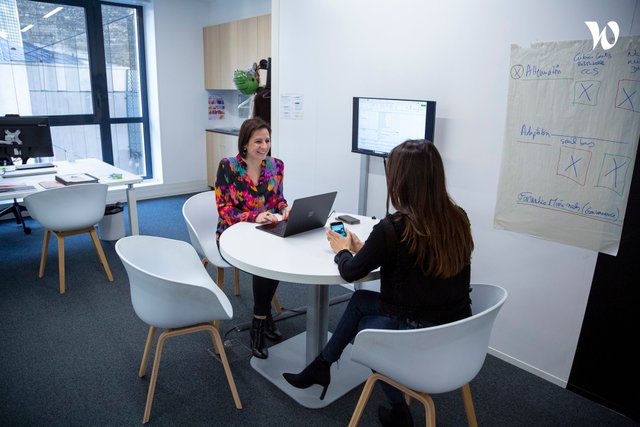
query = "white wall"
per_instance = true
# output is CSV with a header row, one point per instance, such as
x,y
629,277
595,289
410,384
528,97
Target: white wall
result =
x,y
456,53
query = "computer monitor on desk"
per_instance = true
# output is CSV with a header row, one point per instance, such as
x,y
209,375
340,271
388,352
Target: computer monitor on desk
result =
x,y
24,137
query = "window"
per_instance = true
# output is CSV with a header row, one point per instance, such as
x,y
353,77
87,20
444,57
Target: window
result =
x,y
81,63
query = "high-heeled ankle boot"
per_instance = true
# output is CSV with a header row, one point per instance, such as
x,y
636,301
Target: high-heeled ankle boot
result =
x,y
398,416
318,372
257,338
271,331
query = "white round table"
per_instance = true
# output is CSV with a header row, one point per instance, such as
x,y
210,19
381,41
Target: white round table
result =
x,y
306,259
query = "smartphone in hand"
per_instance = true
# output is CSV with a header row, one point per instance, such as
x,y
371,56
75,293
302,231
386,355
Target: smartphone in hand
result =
x,y
338,227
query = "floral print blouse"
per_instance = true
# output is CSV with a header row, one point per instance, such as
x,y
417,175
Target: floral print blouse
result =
x,y
237,197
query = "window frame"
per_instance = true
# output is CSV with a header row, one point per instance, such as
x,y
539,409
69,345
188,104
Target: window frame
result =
x,y
99,87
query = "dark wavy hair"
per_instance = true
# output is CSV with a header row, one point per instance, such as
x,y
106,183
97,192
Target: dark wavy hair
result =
x,y
436,230
246,130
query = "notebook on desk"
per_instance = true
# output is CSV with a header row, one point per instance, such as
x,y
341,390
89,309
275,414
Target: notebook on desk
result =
x,y
306,214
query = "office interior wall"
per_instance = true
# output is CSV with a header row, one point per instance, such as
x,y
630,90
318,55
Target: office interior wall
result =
x,y
178,98
456,53
181,97
222,11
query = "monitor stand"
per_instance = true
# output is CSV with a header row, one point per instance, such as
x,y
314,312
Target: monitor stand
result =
x,y
15,208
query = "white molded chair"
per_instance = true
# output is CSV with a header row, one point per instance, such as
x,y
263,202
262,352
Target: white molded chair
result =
x,y
201,216
171,289
433,360
66,211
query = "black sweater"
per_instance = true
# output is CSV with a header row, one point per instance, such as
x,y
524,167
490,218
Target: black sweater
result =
x,y
405,291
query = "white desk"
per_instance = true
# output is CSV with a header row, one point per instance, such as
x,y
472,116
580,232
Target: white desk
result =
x,y
94,167
307,259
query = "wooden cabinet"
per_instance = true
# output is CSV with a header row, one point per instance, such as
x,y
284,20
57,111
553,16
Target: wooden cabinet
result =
x,y
219,146
234,45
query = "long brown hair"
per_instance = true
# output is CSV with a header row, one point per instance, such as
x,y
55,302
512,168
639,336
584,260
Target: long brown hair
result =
x,y
436,230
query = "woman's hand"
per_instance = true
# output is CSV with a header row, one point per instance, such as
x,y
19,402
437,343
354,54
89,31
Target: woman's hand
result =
x,y
337,242
356,243
266,216
285,213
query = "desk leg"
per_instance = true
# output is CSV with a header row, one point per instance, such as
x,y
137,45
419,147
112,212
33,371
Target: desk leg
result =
x,y
317,320
133,210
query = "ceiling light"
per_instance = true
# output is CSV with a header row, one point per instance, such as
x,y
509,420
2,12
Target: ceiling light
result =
x,y
53,12
27,28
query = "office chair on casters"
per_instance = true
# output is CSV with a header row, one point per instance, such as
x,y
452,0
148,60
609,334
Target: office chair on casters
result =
x,y
171,290
16,209
66,211
432,360
201,216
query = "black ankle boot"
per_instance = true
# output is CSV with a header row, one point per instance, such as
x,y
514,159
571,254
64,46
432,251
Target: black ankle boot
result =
x,y
398,416
318,372
271,330
257,338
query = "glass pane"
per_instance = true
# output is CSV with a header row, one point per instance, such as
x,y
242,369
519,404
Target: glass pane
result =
x,y
128,147
44,61
121,56
76,142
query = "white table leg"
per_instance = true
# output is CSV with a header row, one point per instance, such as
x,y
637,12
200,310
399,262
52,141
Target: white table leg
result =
x,y
133,210
295,353
317,320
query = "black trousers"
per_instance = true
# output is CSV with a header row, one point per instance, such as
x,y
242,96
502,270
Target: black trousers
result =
x,y
263,291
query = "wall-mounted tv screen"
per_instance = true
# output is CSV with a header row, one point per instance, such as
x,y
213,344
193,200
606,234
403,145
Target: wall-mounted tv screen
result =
x,y
379,124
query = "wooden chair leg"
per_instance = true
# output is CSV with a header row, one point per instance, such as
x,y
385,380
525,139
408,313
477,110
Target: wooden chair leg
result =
x,y
236,281
61,262
276,305
154,375
220,277
468,406
45,248
147,351
217,342
364,398
103,259
425,399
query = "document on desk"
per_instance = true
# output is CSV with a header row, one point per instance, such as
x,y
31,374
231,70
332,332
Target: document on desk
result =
x,y
15,188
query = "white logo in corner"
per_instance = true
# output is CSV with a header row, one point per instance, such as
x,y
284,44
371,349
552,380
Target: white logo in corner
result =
x,y
601,37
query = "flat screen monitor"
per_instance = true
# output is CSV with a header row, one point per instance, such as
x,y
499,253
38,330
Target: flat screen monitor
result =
x,y
24,137
379,124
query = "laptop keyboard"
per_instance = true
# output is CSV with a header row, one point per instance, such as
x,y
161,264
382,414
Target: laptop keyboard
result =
x,y
275,227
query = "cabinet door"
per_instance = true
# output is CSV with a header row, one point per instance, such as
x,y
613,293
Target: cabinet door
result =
x,y
264,36
220,52
219,146
247,42
264,43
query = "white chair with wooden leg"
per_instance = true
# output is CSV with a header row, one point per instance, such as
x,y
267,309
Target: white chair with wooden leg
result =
x,y
426,361
201,216
66,211
171,290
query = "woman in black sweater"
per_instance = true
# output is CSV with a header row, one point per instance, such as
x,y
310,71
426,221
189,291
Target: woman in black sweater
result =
x,y
424,254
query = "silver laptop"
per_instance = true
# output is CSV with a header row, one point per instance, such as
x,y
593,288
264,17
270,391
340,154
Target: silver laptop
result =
x,y
306,214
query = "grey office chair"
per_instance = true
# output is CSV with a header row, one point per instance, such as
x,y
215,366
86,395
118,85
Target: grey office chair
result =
x,y
66,211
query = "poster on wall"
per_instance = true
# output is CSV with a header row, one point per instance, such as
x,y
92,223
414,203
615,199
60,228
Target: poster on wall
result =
x,y
215,107
572,130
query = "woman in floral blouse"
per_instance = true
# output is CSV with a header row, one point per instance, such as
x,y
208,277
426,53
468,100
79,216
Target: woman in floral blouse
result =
x,y
249,188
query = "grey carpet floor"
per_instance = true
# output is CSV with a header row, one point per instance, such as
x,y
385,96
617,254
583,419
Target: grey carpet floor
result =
x,y
72,359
